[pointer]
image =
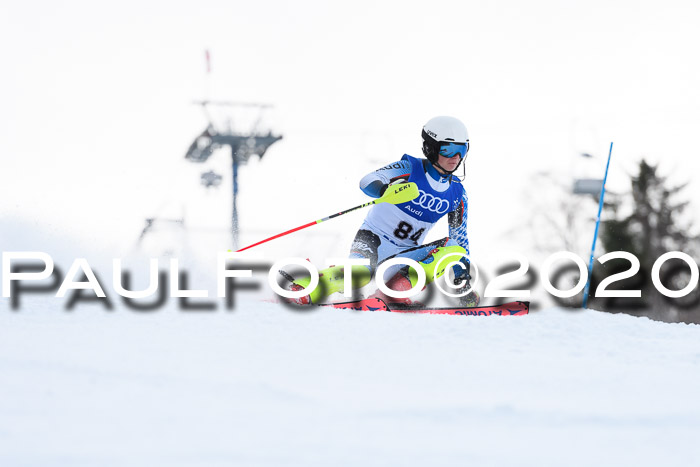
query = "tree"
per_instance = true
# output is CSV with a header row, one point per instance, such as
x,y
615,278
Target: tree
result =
x,y
655,224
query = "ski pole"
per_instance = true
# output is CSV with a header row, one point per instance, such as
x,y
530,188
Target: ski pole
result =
x,y
595,235
395,194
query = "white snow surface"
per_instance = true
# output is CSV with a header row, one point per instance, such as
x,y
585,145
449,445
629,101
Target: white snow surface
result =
x,y
263,385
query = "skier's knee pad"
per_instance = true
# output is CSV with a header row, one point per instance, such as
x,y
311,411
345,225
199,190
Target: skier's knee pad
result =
x,y
332,280
434,259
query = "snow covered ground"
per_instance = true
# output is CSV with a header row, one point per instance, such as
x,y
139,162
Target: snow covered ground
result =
x,y
263,385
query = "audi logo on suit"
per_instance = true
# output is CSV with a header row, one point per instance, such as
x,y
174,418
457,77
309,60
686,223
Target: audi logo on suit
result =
x,y
432,203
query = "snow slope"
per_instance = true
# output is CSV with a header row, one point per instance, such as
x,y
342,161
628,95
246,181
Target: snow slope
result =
x,y
263,385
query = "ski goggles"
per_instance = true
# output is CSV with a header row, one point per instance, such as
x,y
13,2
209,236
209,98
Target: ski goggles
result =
x,y
450,150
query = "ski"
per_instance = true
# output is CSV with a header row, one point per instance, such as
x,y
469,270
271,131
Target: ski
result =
x,y
376,304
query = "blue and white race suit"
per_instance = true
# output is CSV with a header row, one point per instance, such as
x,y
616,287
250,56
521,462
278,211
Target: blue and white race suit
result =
x,y
399,230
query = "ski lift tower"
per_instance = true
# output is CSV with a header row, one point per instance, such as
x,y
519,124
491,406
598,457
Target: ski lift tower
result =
x,y
243,145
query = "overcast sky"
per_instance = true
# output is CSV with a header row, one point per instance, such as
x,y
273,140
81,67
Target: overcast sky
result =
x,y
96,110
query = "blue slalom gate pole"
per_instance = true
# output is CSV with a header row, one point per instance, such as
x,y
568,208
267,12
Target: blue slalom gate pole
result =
x,y
595,235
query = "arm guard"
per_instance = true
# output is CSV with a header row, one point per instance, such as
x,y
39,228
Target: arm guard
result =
x,y
374,183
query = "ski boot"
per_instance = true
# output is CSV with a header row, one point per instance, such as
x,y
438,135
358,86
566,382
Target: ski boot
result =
x,y
400,283
470,299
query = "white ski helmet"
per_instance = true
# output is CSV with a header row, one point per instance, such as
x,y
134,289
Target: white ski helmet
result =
x,y
445,136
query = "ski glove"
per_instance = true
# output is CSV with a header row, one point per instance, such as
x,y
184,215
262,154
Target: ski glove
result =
x,y
398,181
462,270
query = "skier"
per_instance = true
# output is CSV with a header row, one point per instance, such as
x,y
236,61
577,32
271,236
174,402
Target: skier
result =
x,y
398,230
